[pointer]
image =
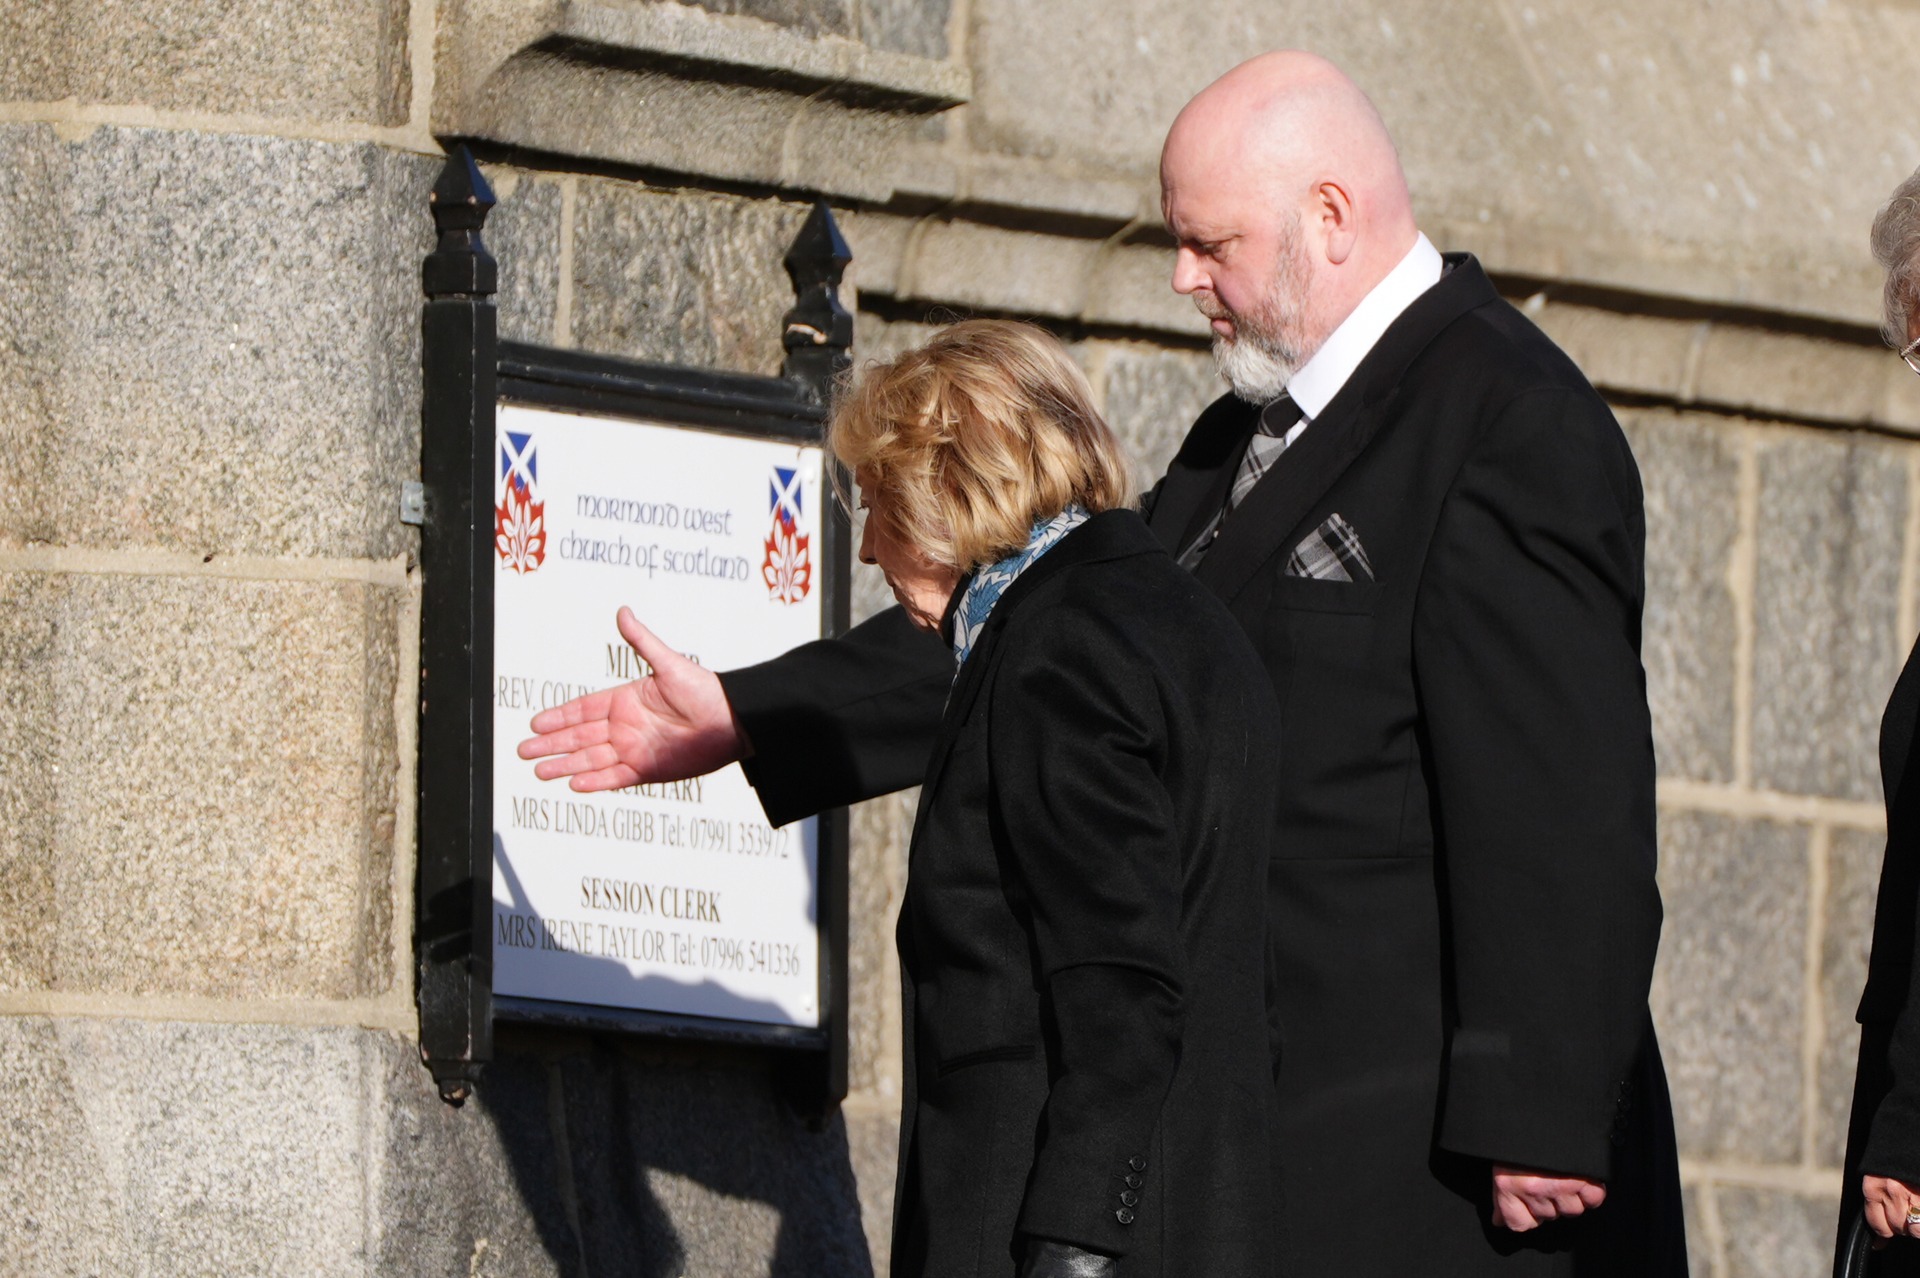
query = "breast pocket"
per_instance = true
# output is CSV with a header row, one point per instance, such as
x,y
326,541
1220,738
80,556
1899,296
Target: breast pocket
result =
x,y
1310,594
1340,682
1323,647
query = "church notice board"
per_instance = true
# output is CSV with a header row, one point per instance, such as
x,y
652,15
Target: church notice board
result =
x,y
672,905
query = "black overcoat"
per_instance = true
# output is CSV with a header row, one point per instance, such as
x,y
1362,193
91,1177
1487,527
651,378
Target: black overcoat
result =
x,y
1088,1049
1464,908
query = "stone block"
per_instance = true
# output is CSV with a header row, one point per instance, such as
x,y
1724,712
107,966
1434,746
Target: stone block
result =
x,y
157,1147
941,263
346,60
680,277
873,1143
1689,473
877,341
1832,527
1766,373
1151,396
1699,1239
1898,407
1728,991
1786,152
224,342
1853,882
969,265
808,17
1639,354
1131,287
217,767
30,277
476,1190
1772,1234
917,27
879,243
30,633
65,1217
524,233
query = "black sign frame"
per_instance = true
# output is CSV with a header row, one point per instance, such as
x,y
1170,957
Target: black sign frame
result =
x,y
467,371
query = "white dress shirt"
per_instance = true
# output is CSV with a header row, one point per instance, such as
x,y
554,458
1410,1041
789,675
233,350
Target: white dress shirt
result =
x,y
1318,380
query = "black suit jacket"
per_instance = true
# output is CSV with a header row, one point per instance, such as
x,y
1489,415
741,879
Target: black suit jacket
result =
x,y
1463,904
1088,1054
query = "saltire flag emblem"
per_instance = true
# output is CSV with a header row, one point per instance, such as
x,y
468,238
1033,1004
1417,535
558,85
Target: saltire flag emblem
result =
x,y
788,570
519,520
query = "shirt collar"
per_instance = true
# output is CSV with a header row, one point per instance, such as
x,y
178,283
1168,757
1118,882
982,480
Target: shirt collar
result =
x,y
1318,380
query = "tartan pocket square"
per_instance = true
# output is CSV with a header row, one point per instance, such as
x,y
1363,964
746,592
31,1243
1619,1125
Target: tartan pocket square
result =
x,y
1331,552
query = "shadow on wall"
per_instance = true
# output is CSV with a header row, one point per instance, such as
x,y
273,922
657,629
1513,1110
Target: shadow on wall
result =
x,y
586,1154
594,1154
664,1160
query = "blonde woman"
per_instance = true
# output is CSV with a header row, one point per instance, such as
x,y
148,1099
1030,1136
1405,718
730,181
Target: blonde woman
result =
x,y
1089,1085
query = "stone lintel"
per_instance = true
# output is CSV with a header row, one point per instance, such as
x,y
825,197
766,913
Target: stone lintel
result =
x,y
704,45
679,90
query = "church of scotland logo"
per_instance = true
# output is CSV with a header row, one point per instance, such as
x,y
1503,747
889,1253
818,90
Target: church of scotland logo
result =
x,y
519,519
788,570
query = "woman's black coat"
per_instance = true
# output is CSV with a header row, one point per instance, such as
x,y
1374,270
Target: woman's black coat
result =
x,y
1082,941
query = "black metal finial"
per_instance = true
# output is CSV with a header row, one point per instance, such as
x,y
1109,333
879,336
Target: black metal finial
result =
x,y
818,333
461,199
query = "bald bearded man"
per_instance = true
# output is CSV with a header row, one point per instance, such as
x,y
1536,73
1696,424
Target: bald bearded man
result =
x,y
1430,526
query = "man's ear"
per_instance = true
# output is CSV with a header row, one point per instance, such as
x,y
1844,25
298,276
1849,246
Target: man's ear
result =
x,y
1333,205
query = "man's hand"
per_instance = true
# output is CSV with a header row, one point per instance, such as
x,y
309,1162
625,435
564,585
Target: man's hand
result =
x,y
673,724
1524,1199
1888,1202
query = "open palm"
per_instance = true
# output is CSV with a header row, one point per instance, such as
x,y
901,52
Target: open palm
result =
x,y
673,724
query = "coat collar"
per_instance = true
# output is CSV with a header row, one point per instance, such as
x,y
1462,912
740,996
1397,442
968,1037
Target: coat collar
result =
x,y
1113,534
1261,525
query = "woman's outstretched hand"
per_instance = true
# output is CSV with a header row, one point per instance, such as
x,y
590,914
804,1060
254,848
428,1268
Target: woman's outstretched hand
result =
x,y
673,724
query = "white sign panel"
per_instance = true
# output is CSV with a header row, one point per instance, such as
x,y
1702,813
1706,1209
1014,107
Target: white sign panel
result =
x,y
679,897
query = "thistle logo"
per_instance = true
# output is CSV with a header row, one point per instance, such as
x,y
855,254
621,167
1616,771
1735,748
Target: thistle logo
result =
x,y
788,570
519,521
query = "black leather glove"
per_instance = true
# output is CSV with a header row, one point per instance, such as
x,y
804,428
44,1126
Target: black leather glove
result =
x,y
1048,1259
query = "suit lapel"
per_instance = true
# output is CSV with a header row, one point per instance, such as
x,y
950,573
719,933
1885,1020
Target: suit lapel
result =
x,y
1266,523
1261,525
1197,480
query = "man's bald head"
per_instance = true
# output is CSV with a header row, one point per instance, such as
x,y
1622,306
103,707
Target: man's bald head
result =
x,y
1280,175
1291,118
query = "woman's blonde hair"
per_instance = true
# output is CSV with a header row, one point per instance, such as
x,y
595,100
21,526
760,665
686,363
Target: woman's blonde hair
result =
x,y
976,436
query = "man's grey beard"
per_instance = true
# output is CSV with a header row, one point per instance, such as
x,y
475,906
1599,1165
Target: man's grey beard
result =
x,y
1257,372
1269,342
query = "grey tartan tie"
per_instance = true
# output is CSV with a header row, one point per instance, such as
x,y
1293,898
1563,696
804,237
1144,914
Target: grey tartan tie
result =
x,y
1263,449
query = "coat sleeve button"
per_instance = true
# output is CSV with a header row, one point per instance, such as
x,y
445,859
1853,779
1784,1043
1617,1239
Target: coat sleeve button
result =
x,y
1133,1180
1137,1163
1124,1216
1129,1198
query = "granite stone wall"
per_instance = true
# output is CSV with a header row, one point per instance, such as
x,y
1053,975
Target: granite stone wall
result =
x,y
211,219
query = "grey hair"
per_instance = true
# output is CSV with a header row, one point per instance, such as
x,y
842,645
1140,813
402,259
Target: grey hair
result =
x,y
1896,246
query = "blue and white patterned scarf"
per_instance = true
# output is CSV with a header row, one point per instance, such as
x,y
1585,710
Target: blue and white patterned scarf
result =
x,y
989,583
